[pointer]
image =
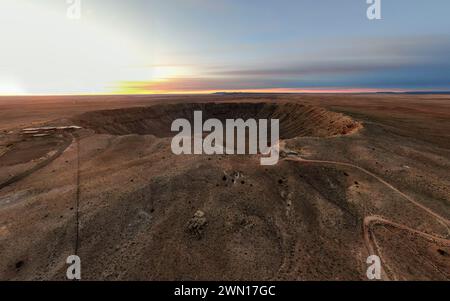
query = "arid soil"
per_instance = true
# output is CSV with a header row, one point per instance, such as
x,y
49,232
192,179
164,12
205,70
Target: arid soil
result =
x,y
358,175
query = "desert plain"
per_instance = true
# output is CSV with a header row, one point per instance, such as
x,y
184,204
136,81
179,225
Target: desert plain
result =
x,y
359,175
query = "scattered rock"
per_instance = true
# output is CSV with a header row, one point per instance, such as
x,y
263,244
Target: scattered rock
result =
x,y
236,175
197,224
19,264
199,214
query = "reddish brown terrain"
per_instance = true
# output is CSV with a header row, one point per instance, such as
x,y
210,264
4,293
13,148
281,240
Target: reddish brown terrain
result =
x,y
95,176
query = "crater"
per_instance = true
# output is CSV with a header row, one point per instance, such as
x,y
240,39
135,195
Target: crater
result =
x,y
296,120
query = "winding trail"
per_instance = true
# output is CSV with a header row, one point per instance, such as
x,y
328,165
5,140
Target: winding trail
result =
x,y
77,198
374,219
66,143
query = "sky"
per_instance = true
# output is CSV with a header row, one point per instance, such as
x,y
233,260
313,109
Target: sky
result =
x,y
203,46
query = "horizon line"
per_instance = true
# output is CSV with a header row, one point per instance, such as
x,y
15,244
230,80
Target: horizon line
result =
x,y
238,91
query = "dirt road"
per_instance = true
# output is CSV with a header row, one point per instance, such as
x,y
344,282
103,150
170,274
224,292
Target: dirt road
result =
x,y
369,221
